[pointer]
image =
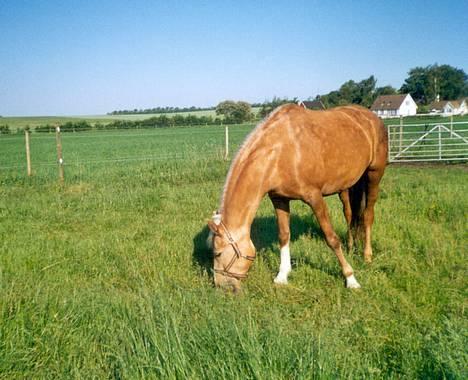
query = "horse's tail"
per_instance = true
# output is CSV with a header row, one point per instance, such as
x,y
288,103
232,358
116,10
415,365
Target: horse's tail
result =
x,y
358,199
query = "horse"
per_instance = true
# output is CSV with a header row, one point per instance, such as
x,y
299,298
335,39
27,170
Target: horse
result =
x,y
300,154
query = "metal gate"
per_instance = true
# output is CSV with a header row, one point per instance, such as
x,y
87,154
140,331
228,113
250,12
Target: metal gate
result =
x,y
428,142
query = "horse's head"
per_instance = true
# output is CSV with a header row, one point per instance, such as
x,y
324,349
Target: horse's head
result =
x,y
233,254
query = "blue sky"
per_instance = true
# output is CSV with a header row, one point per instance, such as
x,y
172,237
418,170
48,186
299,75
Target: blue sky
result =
x,y
92,57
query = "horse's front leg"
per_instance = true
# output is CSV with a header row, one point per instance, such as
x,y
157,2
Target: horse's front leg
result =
x,y
317,203
281,206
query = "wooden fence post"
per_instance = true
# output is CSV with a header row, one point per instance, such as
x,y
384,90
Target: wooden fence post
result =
x,y
226,138
28,152
451,124
58,140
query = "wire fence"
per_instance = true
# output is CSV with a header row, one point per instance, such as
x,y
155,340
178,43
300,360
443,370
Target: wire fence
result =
x,y
410,142
104,147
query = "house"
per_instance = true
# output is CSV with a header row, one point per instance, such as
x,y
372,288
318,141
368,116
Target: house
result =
x,y
463,109
394,106
449,107
443,107
312,104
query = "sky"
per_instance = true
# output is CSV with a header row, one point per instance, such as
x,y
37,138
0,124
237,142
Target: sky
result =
x,y
93,57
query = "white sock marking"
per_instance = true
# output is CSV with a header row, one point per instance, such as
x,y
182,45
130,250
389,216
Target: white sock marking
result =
x,y
285,266
352,283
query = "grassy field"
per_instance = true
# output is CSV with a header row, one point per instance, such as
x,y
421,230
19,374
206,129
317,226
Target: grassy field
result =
x,y
107,275
34,121
15,122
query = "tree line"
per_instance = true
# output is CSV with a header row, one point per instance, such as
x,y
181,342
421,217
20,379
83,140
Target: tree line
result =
x,y
159,110
161,121
424,84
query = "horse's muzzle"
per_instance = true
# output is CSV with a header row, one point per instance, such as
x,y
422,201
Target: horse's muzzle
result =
x,y
228,284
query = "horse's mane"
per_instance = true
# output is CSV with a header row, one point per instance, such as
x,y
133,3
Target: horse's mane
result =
x,y
246,148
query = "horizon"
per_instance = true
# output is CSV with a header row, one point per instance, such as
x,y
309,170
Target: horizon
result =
x,y
86,59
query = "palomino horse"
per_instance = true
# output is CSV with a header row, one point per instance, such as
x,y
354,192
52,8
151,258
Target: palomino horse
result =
x,y
300,154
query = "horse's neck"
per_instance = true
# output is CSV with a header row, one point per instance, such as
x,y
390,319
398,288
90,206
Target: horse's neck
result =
x,y
244,191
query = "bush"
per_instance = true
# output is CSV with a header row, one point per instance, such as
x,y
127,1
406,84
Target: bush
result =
x,y
4,130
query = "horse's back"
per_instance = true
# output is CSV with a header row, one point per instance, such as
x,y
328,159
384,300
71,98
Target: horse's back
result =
x,y
338,131
328,149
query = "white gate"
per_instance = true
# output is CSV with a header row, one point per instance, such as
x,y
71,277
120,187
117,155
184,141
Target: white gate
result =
x,y
428,142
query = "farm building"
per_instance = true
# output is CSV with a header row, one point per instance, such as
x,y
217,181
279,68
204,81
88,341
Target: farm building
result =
x,y
312,104
449,107
394,106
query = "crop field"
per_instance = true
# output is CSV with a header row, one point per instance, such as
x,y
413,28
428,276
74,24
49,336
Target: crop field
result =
x,y
107,275
16,122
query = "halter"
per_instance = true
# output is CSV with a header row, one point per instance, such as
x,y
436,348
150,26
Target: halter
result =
x,y
237,255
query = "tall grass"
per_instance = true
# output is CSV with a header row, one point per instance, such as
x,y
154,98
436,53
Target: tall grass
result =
x,y
108,276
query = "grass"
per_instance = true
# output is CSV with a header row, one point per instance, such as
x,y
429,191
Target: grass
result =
x,y
86,152
107,276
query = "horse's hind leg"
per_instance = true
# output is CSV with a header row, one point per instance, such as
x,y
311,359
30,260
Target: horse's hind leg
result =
x,y
318,205
372,192
281,206
347,211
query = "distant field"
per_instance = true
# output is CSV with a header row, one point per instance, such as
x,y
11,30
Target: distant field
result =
x,y
35,121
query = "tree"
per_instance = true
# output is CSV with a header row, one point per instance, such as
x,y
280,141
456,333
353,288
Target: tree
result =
x,y
234,112
425,83
352,92
268,106
385,90
4,130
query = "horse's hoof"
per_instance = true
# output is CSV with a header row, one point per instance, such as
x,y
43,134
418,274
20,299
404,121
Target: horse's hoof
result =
x,y
351,282
280,280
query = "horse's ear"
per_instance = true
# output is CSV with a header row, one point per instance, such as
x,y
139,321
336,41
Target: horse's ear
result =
x,y
214,223
213,227
216,218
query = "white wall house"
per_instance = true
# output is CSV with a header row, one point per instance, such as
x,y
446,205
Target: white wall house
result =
x,y
394,106
449,107
463,109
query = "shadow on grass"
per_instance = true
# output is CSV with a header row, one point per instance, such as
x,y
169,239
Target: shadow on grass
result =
x,y
264,233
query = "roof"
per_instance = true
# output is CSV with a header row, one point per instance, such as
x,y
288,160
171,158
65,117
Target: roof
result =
x,y
442,103
388,102
438,105
313,104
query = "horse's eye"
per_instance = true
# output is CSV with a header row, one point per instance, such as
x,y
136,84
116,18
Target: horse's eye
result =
x,y
217,254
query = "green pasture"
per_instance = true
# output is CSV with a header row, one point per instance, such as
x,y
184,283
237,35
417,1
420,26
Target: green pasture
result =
x,y
107,275
86,152
15,122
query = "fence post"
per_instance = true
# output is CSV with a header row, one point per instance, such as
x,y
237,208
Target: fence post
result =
x,y
440,142
389,139
28,152
226,137
451,124
401,134
58,140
